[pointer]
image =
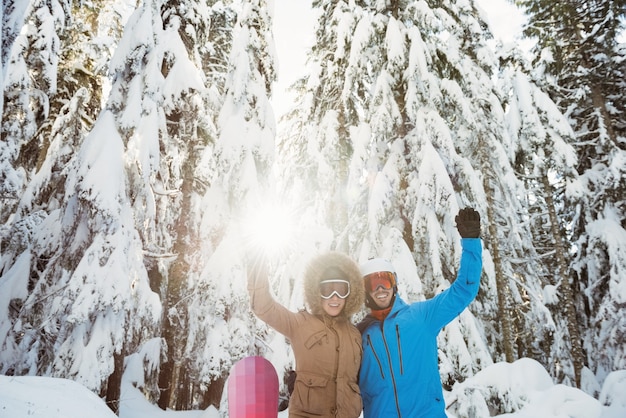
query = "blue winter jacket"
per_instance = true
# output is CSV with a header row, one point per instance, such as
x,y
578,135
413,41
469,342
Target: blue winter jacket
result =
x,y
399,374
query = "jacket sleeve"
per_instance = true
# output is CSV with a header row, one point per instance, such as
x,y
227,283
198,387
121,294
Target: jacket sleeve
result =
x,y
265,306
449,304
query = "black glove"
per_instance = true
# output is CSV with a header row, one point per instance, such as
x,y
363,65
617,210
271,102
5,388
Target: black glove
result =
x,y
468,223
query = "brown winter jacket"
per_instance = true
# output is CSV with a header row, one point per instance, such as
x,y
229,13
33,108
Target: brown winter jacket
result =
x,y
327,350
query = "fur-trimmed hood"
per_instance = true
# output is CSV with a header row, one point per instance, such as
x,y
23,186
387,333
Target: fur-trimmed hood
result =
x,y
314,275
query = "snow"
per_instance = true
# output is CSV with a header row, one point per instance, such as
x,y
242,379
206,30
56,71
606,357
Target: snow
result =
x,y
524,388
102,153
608,230
35,397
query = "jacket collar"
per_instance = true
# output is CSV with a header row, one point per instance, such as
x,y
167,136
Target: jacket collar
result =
x,y
398,305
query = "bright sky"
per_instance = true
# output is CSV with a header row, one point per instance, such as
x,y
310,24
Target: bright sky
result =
x,y
293,34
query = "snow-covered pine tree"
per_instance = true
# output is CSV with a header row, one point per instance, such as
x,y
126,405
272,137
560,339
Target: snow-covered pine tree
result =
x,y
59,52
74,104
31,57
315,143
545,162
167,76
13,15
461,112
236,169
579,61
48,312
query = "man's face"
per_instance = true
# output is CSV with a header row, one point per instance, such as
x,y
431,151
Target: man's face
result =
x,y
380,286
382,297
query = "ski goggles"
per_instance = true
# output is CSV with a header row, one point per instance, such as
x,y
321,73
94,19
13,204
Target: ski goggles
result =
x,y
384,279
339,287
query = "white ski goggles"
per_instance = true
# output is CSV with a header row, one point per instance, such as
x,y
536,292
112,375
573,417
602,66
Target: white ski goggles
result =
x,y
339,287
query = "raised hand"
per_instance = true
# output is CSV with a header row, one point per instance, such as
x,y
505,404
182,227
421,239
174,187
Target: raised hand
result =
x,y
468,223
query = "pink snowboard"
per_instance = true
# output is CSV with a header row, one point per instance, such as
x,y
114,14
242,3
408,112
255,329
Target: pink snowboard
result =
x,y
253,389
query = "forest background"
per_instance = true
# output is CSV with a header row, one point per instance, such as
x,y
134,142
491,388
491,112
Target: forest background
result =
x,y
139,138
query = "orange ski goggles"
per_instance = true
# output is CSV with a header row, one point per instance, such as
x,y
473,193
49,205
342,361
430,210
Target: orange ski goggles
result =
x,y
384,279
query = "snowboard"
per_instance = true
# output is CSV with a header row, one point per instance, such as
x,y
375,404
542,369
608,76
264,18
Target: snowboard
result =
x,y
253,389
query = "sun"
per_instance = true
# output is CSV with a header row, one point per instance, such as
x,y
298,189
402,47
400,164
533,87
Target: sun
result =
x,y
269,229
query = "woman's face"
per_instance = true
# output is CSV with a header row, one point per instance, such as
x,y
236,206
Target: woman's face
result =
x,y
333,306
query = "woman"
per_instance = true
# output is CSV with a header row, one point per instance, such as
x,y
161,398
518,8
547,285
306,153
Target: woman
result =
x,y
326,345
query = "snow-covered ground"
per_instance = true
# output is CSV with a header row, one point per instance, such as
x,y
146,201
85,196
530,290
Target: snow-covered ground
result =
x,y
523,386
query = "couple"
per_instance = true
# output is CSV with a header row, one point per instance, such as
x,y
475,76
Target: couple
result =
x,y
388,367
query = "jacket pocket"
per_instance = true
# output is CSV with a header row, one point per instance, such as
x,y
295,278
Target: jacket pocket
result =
x,y
353,404
355,388
310,394
380,364
314,339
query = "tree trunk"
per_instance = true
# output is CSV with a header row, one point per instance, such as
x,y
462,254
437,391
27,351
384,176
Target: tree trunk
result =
x,y
185,388
175,315
114,383
165,382
175,324
214,393
504,311
568,305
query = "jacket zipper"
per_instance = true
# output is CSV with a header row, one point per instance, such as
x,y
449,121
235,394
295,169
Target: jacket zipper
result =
x,y
399,349
393,378
380,365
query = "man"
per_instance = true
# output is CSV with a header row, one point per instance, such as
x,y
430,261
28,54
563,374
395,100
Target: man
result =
x,y
399,374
